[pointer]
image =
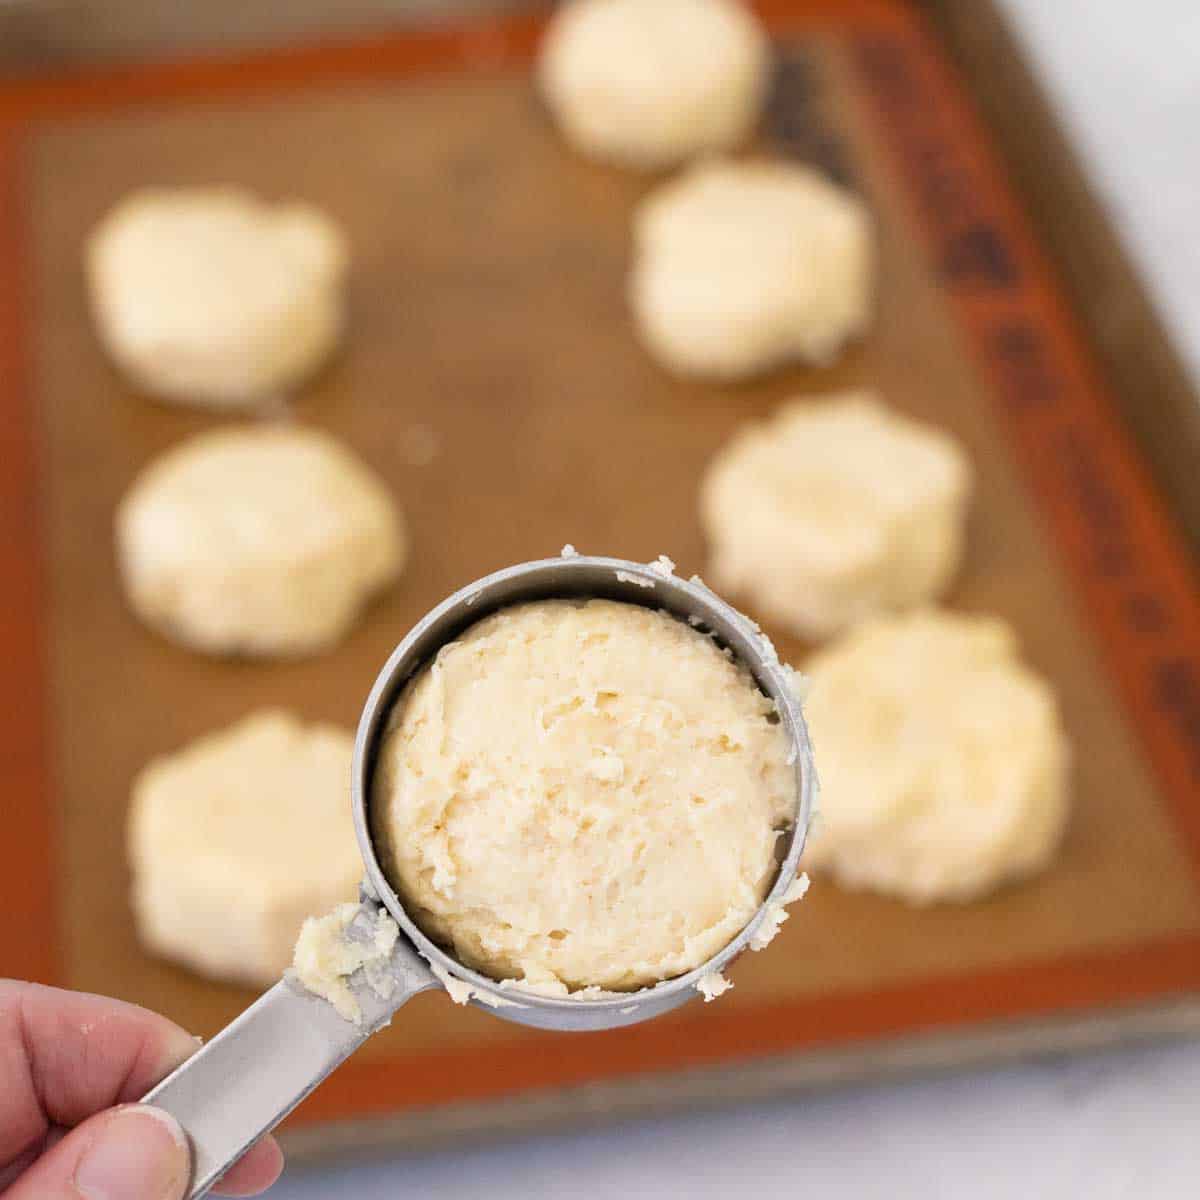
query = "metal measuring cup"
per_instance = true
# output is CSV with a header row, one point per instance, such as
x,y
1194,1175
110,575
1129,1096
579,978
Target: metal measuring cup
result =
x,y
256,1070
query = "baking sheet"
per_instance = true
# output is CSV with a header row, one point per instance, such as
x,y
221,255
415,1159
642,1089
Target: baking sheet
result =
x,y
489,322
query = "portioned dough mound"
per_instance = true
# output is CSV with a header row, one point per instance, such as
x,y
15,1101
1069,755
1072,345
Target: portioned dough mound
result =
x,y
942,758
647,83
835,510
260,540
208,296
582,794
238,837
739,267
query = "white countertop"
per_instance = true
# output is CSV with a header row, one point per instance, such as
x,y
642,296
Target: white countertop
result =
x,y
1127,77
1106,1127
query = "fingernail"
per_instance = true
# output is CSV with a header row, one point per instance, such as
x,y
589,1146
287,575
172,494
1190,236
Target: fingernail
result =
x,y
139,1153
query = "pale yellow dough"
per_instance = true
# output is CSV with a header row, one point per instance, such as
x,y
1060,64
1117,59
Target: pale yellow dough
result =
x,y
209,296
743,266
648,83
582,794
238,837
258,540
942,758
327,957
834,510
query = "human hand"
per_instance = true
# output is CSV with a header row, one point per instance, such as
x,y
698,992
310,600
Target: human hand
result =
x,y
72,1067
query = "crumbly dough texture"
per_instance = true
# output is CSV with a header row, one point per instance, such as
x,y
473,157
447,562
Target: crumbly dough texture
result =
x,y
712,986
328,955
777,912
257,540
208,296
943,761
462,992
239,836
835,510
739,267
648,83
582,795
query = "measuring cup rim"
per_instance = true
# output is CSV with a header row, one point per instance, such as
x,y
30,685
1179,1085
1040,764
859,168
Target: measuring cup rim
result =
x,y
580,576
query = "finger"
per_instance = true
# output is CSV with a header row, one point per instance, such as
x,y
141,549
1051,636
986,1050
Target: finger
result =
x,y
254,1172
128,1153
66,1055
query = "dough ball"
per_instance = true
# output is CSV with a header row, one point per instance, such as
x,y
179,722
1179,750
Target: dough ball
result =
x,y
942,758
648,83
739,267
258,540
582,793
834,510
238,837
208,296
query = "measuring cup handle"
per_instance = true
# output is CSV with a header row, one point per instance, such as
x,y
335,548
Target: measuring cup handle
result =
x,y
257,1069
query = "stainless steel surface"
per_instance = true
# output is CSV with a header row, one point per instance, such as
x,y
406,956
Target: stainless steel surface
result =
x,y
614,579
257,1070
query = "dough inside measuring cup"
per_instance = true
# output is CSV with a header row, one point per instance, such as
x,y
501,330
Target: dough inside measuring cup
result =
x,y
582,794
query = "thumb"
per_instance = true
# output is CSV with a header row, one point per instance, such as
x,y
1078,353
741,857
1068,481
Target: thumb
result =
x,y
130,1153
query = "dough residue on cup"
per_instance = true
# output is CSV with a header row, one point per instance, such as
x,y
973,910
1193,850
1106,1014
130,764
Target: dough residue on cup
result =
x,y
327,956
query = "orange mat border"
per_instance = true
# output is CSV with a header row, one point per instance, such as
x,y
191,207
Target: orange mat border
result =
x,y
1133,575
1139,630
